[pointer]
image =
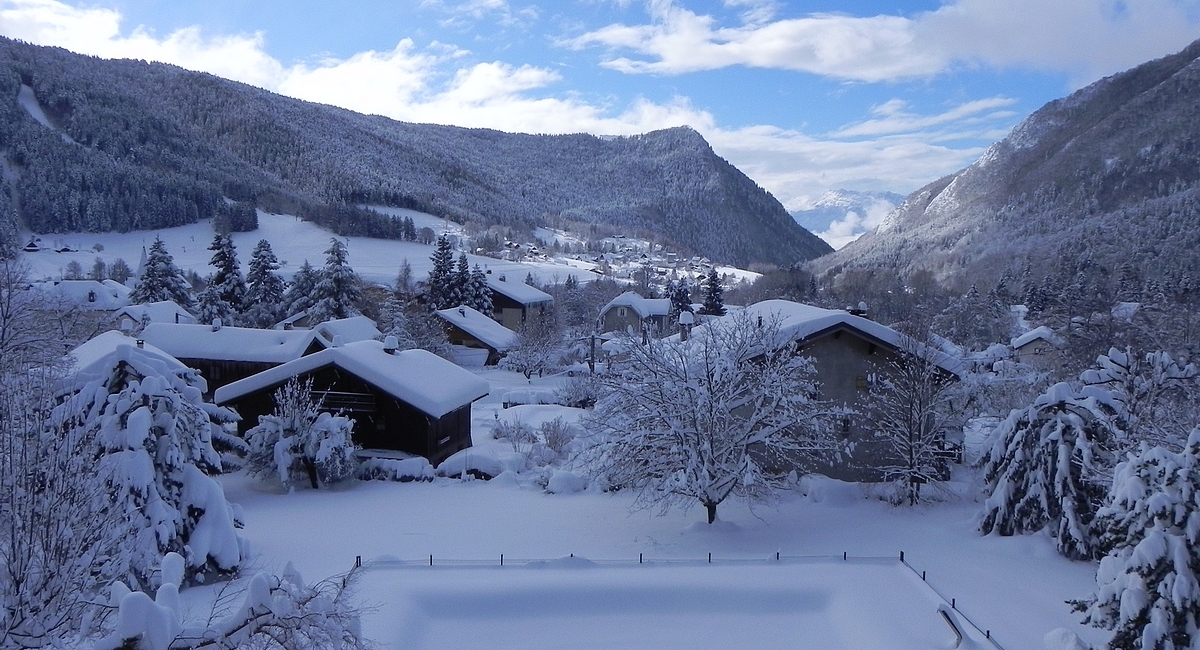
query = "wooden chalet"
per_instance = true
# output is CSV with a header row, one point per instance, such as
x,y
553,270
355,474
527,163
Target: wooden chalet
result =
x,y
469,328
410,401
513,301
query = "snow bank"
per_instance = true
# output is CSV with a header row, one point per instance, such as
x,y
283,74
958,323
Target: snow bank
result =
x,y
822,489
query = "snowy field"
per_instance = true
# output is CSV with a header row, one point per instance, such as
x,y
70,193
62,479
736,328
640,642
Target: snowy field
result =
x,y
293,240
1015,587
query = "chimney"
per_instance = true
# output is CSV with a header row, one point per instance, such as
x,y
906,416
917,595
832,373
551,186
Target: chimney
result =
x,y
338,341
501,278
390,344
141,344
216,324
686,319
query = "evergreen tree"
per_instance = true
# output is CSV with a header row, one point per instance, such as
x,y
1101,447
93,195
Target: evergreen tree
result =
x,y
338,290
161,279
119,270
441,282
227,282
460,283
299,295
264,290
681,298
479,296
211,306
1148,584
714,298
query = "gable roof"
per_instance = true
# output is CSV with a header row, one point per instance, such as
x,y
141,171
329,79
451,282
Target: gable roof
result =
x,y
479,325
354,328
98,356
1042,333
422,379
228,343
163,311
518,291
798,322
643,307
106,295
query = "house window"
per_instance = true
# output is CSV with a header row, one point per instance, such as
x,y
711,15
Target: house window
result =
x,y
91,296
621,312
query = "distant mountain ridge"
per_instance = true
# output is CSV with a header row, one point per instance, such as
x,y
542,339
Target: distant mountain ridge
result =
x,y
836,206
1105,178
132,145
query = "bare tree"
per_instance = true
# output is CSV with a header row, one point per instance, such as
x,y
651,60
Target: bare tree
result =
x,y
539,343
728,412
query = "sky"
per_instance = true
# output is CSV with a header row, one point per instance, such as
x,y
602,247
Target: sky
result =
x,y
804,97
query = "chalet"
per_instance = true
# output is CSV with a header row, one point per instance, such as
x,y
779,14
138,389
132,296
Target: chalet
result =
x,y
513,302
468,328
132,317
410,401
849,352
631,313
1039,347
227,354
90,354
354,328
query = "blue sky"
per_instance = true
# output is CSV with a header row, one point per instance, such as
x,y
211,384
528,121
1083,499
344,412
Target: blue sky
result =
x,y
804,97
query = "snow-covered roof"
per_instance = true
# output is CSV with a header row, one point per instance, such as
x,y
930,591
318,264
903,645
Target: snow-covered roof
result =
x,y
1043,333
228,343
798,321
106,295
482,327
96,357
417,377
163,311
518,291
355,328
643,307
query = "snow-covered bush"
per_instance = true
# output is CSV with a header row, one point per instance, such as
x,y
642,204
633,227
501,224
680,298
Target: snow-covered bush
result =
x,y
1148,584
557,435
1048,468
580,391
297,441
401,470
517,433
276,613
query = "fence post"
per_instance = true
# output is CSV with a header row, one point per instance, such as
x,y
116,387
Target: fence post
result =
x,y
501,559
710,558
431,559
901,556
357,561
639,558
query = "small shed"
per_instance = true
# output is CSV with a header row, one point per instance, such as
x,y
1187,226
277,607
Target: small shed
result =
x,y
1038,347
473,329
411,401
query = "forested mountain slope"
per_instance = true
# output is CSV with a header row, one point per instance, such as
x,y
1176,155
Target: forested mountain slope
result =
x,y
132,145
1105,180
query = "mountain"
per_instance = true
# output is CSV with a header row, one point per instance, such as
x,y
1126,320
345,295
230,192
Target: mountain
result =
x,y
98,145
1105,180
843,215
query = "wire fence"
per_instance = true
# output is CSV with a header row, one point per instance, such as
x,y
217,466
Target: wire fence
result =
x,y
777,558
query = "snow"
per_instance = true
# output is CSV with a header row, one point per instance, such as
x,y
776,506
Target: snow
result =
x,y
1038,333
354,328
99,348
480,326
228,343
422,379
107,295
163,311
507,284
28,100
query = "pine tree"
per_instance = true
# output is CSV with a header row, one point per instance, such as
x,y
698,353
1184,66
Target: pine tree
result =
x,y
119,270
264,290
338,290
161,279
681,298
1148,584
460,283
714,298
227,282
441,281
479,296
210,306
299,295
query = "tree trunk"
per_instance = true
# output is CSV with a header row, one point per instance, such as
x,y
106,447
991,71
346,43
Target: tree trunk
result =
x,y
310,466
712,511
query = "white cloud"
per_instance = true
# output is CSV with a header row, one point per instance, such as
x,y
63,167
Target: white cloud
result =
x,y
891,117
1083,38
852,226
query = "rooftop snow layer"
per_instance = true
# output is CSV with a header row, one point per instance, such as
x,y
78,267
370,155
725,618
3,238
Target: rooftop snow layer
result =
x,y
644,307
1043,333
163,311
518,291
98,356
482,327
426,381
106,295
228,343
355,328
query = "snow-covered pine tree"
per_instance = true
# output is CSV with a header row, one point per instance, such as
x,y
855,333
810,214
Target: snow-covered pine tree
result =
x,y
154,454
1049,467
441,276
1155,394
714,295
681,297
460,283
1148,583
297,441
227,280
161,279
479,296
339,289
299,294
264,287
210,306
